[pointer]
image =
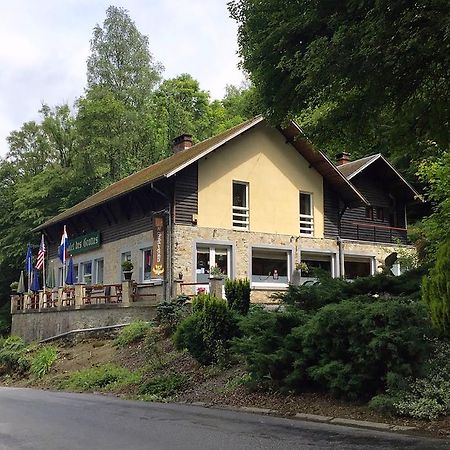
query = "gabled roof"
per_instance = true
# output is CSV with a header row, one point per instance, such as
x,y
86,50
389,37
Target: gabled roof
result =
x,y
388,171
173,164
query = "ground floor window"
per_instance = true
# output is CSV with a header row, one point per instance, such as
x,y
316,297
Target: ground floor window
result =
x,y
99,265
322,261
208,256
358,266
86,272
146,273
270,267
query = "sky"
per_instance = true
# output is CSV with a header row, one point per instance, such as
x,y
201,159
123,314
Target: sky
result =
x,y
45,45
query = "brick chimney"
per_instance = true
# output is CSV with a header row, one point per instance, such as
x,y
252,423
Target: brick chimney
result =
x,y
342,158
182,142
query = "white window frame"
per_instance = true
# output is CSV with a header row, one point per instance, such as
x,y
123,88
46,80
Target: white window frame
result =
x,y
306,221
95,269
243,223
268,285
143,250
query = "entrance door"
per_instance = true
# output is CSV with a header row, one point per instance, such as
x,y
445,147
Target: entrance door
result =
x,y
209,256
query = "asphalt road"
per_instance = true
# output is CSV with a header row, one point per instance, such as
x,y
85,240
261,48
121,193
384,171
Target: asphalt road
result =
x,y
32,420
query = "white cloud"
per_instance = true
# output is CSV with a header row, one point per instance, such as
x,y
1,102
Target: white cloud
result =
x,y
45,45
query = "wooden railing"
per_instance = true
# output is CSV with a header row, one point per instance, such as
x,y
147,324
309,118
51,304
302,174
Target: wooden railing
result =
x,y
384,230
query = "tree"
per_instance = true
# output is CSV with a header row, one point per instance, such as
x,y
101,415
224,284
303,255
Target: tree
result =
x,y
436,290
120,59
364,76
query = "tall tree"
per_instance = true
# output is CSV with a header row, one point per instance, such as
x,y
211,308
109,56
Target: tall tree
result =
x,y
120,59
364,74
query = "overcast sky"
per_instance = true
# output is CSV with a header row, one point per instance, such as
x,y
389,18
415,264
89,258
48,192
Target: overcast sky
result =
x,y
45,44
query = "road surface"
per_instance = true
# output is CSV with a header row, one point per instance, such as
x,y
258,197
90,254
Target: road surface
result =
x,y
38,420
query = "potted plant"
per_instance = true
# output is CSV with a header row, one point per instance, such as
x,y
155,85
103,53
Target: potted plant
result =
x,y
216,272
14,286
127,268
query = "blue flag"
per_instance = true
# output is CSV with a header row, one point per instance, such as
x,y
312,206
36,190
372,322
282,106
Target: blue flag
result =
x,y
64,247
29,260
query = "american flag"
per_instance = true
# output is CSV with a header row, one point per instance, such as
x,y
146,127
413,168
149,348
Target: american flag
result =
x,y
41,255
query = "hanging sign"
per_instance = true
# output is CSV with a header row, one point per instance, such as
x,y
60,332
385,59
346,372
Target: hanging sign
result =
x,y
85,243
158,263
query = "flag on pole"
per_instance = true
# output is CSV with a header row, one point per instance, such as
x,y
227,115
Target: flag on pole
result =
x,y
29,260
63,248
41,255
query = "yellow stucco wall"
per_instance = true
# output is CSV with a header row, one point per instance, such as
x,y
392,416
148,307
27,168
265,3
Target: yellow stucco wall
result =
x,y
276,173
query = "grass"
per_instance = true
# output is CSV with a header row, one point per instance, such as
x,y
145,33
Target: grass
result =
x,y
43,361
163,387
134,332
104,377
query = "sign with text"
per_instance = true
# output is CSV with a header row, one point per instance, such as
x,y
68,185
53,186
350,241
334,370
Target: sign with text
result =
x,y
85,243
158,263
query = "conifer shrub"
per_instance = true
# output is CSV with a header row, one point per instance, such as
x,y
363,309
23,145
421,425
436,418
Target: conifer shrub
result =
x,y
14,355
237,293
207,332
170,313
436,291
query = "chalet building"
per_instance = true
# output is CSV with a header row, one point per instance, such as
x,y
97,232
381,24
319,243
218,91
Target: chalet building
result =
x,y
252,201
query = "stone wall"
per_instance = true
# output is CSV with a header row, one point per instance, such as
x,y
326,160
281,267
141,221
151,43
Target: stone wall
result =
x,y
185,239
34,326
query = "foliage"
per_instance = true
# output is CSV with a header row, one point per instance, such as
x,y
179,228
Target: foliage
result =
x,y
134,332
350,347
361,75
43,360
170,313
164,386
13,355
5,319
436,291
207,332
421,398
237,293
102,377
127,266
263,345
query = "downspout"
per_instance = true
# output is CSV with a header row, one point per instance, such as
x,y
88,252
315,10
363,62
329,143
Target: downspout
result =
x,y
340,244
169,242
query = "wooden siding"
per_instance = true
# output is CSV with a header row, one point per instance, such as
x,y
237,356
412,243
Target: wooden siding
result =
x,y
354,223
186,195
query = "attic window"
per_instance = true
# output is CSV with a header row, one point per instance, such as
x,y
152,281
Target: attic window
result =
x,y
240,205
306,214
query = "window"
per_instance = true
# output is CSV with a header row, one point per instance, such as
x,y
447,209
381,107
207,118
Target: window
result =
x,y
380,213
75,271
317,261
146,264
240,206
270,267
306,214
369,212
209,256
355,267
99,265
86,272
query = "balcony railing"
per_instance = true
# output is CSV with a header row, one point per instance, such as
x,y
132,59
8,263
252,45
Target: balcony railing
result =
x,y
379,233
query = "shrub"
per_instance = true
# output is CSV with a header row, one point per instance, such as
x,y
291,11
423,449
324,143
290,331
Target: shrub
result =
x,y
238,295
207,332
102,377
5,319
170,313
436,291
263,345
43,361
133,332
13,355
164,386
349,348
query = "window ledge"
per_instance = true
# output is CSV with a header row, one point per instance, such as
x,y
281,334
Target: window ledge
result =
x,y
269,286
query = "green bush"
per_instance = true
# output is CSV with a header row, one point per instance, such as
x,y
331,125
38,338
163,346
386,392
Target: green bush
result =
x,y
264,347
349,348
164,386
102,377
5,319
237,293
207,332
422,398
170,313
436,291
13,355
133,332
43,360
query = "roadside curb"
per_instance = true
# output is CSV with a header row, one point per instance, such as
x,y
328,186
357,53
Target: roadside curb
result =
x,y
381,426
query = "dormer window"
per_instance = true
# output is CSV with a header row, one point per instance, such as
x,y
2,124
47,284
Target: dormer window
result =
x,y
306,214
240,205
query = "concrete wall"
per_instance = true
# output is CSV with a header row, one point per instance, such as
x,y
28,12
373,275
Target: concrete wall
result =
x,y
186,239
34,326
275,172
